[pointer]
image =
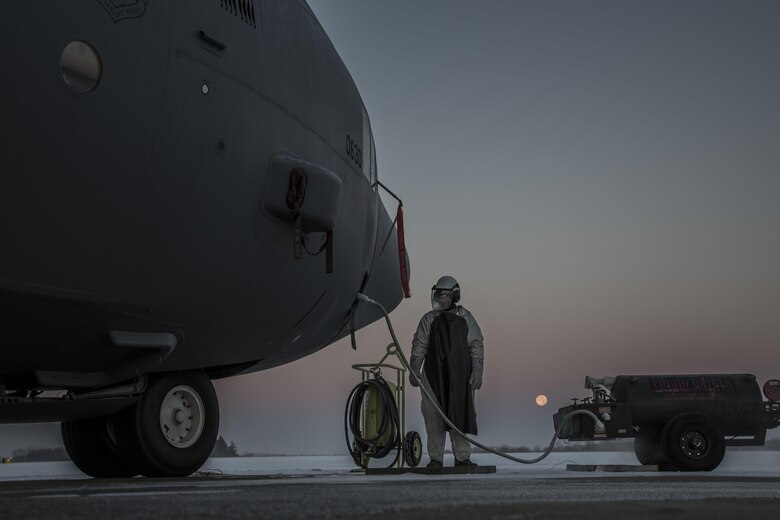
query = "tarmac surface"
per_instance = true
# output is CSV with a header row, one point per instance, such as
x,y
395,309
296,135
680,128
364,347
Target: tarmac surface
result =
x,y
509,494
444,497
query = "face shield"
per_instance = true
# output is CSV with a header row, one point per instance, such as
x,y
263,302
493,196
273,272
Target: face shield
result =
x,y
442,299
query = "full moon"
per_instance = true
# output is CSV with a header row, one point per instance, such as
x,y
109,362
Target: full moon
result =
x,y
541,400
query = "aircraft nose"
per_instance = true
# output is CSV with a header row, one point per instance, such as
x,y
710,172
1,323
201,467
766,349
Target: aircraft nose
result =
x,y
389,269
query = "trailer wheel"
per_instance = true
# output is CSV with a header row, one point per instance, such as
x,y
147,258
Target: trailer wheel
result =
x,y
691,443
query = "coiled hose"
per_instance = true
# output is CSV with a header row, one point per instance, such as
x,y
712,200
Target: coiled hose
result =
x,y
389,430
426,390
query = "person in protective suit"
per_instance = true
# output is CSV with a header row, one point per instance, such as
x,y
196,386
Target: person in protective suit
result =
x,y
448,353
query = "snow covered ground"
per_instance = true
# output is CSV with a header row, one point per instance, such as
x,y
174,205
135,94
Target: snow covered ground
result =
x,y
736,463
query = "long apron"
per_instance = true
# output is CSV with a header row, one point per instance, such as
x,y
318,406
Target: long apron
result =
x,y
448,368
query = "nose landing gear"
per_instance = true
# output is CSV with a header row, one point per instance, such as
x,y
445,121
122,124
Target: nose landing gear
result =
x,y
169,432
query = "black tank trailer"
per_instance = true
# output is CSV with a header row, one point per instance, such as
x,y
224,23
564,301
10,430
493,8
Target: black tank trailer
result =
x,y
678,422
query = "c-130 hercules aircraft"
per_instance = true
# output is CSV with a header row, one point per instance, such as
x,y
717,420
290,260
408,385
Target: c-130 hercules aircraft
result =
x,y
189,192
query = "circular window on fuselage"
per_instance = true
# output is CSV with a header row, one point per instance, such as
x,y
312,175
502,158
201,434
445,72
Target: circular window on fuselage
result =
x,y
80,67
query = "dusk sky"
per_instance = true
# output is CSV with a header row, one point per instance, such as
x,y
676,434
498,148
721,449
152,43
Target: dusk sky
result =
x,y
602,177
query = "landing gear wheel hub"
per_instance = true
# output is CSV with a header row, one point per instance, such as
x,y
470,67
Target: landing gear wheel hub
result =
x,y
181,416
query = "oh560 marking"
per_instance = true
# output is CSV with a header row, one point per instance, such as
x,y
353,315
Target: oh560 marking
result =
x,y
354,152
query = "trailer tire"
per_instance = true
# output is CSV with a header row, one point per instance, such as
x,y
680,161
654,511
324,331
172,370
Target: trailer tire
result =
x,y
690,442
648,450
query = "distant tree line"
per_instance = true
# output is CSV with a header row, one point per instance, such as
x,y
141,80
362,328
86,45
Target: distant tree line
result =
x,y
615,445
264,454
223,449
39,455
770,445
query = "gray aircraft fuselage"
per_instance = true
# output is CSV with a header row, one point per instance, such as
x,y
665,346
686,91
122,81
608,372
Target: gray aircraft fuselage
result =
x,y
149,196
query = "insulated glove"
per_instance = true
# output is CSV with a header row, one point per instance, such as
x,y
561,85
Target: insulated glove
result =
x,y
475,381
416,366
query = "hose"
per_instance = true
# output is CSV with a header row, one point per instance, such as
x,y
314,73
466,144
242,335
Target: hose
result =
x,y
389,429
428,392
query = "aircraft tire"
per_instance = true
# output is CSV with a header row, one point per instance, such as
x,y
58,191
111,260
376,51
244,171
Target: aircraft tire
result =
x,y
171,431
93,450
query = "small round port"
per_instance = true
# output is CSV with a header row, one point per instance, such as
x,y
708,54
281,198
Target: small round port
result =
x,y
80,67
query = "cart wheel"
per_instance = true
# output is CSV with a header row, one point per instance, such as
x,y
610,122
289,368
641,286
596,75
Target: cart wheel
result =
x,y
691,443
359,459
412,449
